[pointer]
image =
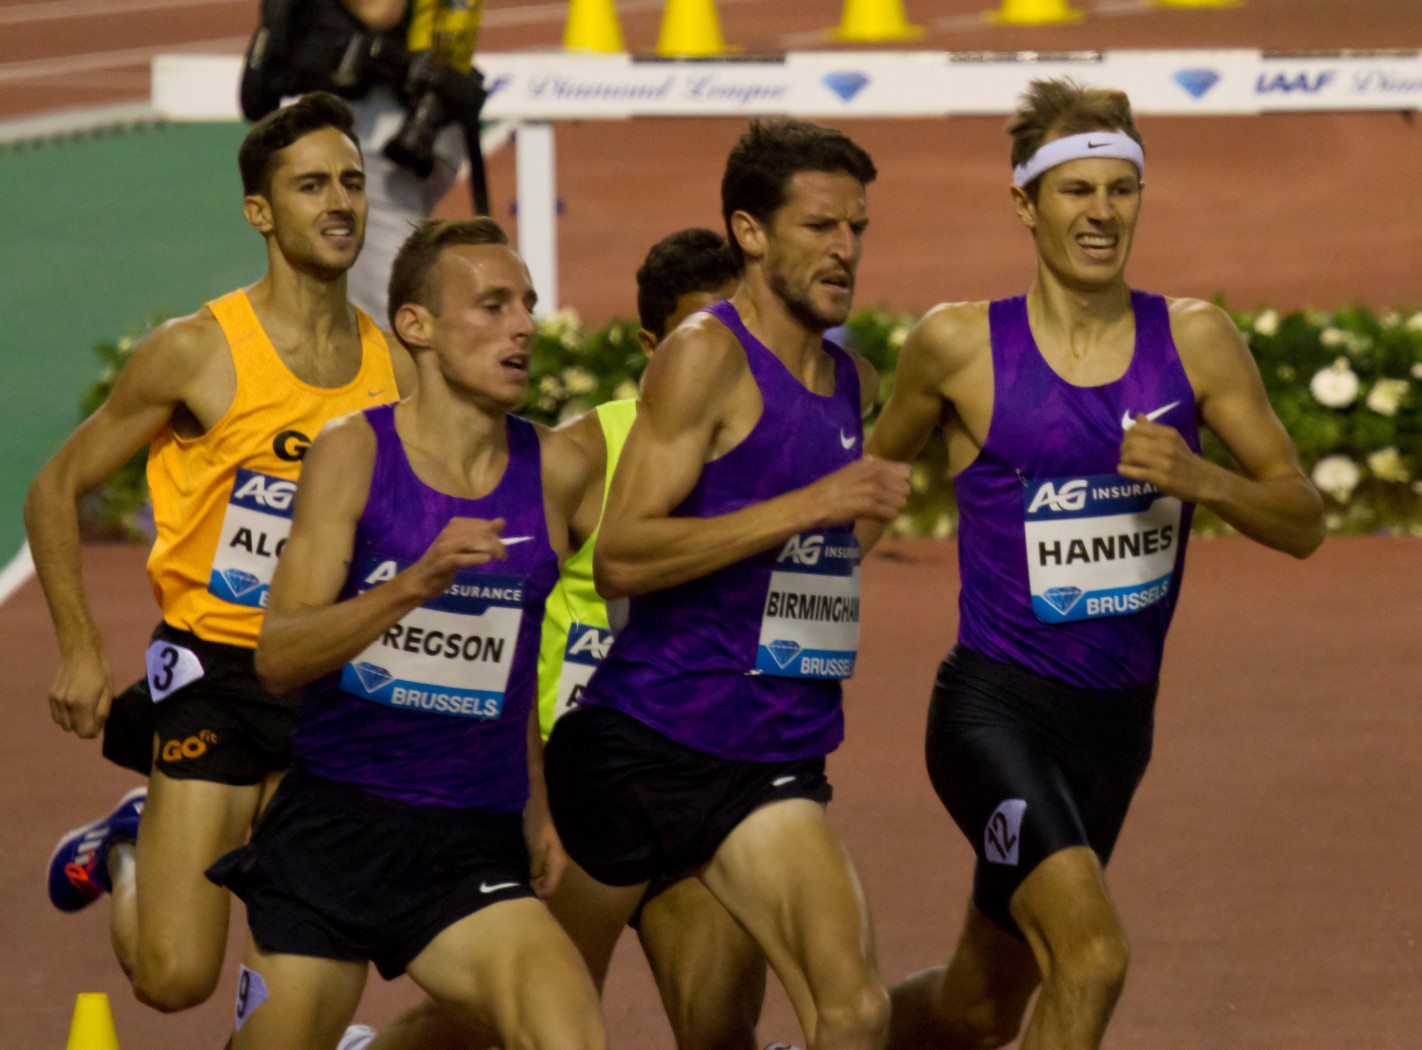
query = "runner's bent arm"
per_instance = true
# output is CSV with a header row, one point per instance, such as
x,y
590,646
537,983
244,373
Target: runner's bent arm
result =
x,y
917,406
687,395
153,385
306,632
1270,500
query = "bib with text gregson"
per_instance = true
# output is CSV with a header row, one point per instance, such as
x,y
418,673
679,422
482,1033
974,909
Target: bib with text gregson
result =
x,y
254,530
1102,545
810,627
587,645
451,656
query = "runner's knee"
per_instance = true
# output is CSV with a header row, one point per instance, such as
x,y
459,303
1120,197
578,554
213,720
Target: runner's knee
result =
x,y
170,983
1096,961
982,1025
860,1018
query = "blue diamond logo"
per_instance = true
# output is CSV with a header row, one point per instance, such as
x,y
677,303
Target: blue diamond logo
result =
x,y
239,582
1063,598
373,677
1197,81
783,651
846,85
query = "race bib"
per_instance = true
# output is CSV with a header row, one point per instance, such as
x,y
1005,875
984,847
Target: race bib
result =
x,y
1098,546
254,530
587,646
451,656
810,627
170,667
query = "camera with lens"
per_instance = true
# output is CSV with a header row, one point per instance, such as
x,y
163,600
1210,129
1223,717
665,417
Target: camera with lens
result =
x,y
318,45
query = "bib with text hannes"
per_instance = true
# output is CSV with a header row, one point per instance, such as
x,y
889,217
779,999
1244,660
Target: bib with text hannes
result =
x,y
1102,545
810,627
254,530
587,645
451,656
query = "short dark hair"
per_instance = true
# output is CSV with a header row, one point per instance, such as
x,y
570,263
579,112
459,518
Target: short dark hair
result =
x,y
770,153
694,260
281,127
417,257
1065,107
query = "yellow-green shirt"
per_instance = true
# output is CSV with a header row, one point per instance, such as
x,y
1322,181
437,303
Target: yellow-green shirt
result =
x,y
576,634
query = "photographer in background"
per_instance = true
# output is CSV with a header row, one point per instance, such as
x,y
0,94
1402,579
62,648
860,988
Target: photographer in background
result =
x,y
406,67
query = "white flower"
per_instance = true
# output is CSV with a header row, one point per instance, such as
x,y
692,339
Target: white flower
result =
x,y
897,335
625,389
1416,370
561,323
1335,386
942,528
1267,323
1414,323
1391,319
919,476
1338,476
1333,338
1317,318
579,381
1386,396
1387,464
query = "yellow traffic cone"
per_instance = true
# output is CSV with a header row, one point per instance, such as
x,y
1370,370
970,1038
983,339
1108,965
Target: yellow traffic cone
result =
x,y
690,29
592,26
1034,13
875,21
93,1024
1198,3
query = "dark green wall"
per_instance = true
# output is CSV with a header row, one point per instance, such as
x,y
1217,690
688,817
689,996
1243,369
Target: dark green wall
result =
x,y
98,233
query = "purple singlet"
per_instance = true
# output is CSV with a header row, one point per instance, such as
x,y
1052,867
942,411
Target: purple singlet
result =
x,y
745,663
435,712
1068,568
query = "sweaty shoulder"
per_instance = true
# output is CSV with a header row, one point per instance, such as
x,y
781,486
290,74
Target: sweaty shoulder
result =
x,y
187,344
694,374
566,463
1208,342
951,336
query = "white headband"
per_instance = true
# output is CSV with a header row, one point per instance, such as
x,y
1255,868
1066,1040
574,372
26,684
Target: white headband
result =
x,y
1112,144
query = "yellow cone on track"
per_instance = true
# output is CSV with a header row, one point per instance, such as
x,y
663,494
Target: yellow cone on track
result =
x,y
93,1024
875,21
690,29
1034,13
592,26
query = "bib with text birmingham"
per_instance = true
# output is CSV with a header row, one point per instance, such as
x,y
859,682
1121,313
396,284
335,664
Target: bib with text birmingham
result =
x,y
1101,545
451,656
810,627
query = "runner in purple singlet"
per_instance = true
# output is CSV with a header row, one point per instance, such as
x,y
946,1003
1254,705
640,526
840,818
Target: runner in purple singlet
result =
x,y
698,746
413,830
1071,416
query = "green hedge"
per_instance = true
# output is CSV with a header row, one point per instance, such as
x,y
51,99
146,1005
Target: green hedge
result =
x,y
1347,386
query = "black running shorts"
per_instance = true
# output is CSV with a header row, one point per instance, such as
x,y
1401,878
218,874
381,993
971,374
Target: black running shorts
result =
x,y
632,806
334,872
223,728
1028,766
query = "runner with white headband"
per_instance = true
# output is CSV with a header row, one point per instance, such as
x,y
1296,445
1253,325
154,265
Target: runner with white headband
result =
x,y
1072,418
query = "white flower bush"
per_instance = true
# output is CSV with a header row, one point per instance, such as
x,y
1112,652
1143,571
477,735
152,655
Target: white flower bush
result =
x,y
1335,386
1267,323
1386,396
1387,464
1337,476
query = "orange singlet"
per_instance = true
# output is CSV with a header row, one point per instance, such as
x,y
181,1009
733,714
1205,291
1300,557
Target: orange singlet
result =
x,y
222,501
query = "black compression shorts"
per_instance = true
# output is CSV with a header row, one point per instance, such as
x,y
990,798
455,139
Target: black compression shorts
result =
x,y
633,806
1028,766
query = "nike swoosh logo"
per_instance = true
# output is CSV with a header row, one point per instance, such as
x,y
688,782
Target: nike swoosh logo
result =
x,y
846,440
374,393
781,781
509,541
1127,422
1097,145
484,887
